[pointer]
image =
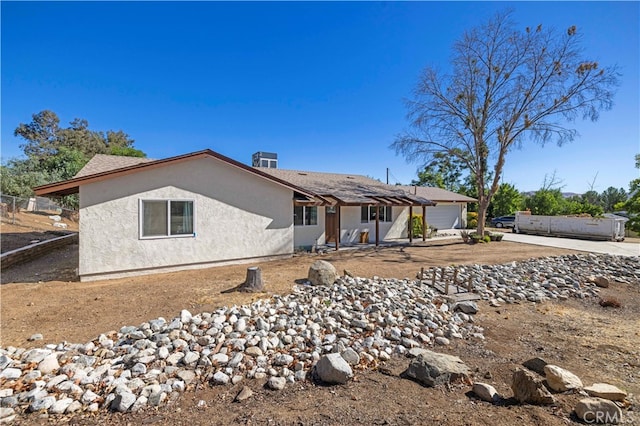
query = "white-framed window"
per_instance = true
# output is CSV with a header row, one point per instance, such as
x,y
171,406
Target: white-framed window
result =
x,y
368,213
305,215
166,218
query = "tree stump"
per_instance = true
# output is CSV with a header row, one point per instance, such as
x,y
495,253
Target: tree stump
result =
x,y
253,283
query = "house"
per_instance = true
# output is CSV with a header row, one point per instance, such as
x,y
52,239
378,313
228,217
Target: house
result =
x,y
141,216
450,210
367,210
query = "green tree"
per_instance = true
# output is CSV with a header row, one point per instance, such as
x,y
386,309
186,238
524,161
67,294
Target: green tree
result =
x,y
506,87
443,171
612,196
54,153
632,204
507,200
545,201
41,135
591,197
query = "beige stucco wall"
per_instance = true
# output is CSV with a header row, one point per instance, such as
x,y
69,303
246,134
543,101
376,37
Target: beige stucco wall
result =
x,y
351,227
238,216
311,235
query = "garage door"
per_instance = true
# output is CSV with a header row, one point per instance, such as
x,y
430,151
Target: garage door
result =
x,y
444,216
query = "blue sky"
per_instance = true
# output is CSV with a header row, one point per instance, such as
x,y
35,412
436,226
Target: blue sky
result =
x,y
322,84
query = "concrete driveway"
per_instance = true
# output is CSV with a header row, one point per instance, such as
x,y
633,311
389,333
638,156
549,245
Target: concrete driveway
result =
x,y
608,247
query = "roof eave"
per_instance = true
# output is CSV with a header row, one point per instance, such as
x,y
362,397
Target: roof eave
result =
x,y
72,186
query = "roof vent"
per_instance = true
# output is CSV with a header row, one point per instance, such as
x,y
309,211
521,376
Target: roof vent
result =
x,y
265,159
302,174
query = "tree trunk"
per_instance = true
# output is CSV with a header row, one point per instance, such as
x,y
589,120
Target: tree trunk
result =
x,y
483,204
253,283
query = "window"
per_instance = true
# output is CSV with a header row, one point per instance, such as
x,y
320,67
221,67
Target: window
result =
x,y
166,218
368,214
305,215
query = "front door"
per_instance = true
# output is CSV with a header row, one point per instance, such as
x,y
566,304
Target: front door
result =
x,y
330,224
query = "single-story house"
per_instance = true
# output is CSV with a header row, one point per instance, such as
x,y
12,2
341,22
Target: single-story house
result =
x,y
450,211
141,216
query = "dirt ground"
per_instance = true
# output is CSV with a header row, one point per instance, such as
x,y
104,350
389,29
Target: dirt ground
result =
x,y
597,344
31,227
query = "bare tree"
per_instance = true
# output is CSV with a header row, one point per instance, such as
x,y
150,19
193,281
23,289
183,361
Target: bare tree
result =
x,y
505,87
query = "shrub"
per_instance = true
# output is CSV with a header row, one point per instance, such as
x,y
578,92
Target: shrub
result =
x,y
416,225
477,238
472,220
466,236
486,238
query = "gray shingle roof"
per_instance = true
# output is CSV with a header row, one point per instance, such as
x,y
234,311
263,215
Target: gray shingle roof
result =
x,y
348,188
437,194
104,163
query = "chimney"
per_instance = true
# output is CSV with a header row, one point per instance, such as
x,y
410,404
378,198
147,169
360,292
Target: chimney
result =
x,y
265,159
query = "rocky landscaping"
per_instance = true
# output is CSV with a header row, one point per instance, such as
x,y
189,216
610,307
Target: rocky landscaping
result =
x,y
324,331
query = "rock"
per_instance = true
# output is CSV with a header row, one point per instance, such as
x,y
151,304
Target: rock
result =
x,y
244,394
332,368
443,341
606,391
88,397
282,359
350,356
527,388
486,392
123,402
468,307
433,368
186,376
140,403
6,412
185,316
42,403
276,383
5,361
11,373
598,410
253,351
74,406
536,364
220,378
322,273
156,398
35,337
599,281
49,364
60,406
561,380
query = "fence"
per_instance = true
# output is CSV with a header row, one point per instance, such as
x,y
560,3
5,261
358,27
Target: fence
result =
x,y
10,205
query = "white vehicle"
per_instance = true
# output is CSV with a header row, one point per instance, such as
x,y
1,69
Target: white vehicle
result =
x,y
596,228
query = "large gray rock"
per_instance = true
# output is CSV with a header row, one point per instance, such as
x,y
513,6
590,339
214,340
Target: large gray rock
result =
x,y
528,388
332,368
561,380
598,410
322,273
606,391
433,368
